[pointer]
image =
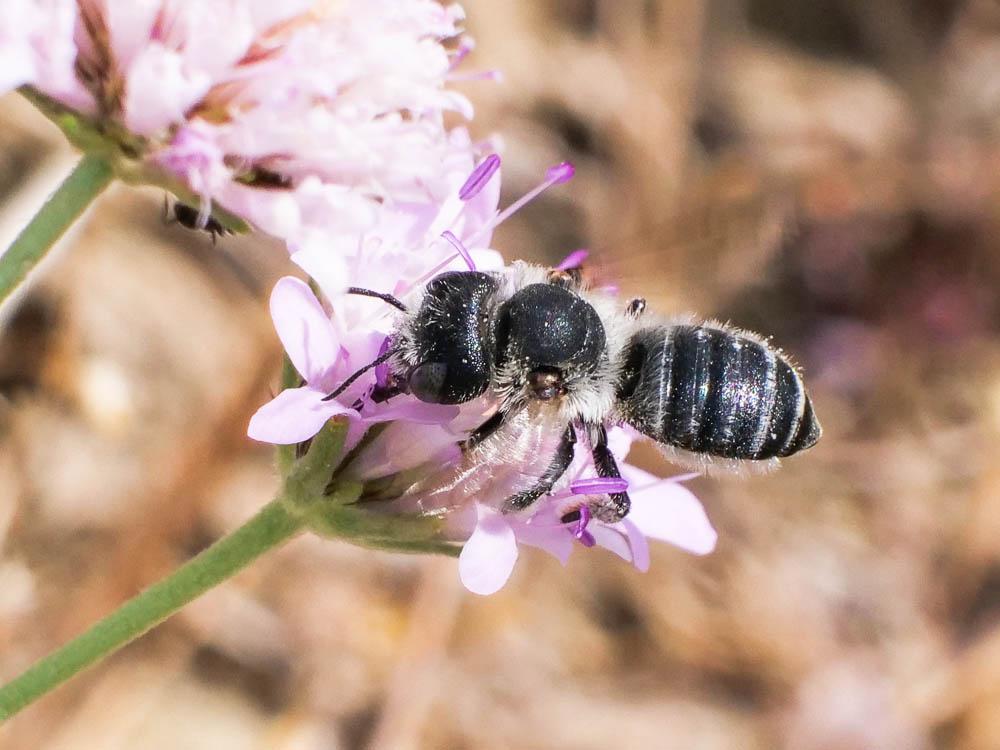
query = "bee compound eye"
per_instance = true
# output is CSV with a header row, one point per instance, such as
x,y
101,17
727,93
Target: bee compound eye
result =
x,y
427,380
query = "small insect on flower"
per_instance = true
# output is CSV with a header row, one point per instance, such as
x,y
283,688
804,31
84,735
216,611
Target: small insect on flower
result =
x,y
559,359
190,218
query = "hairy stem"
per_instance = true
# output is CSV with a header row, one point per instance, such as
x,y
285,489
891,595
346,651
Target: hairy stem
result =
x,y
274,524
87,180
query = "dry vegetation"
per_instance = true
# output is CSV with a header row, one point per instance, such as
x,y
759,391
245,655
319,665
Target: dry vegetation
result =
x,y
828,172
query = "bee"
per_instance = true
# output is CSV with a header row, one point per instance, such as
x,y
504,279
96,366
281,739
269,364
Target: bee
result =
x,y
187,216
559,359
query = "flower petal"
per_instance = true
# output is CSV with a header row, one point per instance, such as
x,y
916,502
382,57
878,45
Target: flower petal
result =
x,y
412,410
553,538
613,539
400,446
620,443
325,264
488,557
671,513
292,416
304,329
638,544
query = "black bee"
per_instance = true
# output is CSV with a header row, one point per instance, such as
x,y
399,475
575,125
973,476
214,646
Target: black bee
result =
x,y
187,216
557,358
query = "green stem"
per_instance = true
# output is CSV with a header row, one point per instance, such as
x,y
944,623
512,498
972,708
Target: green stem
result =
x,y
274,524
305,502
87,180
285,454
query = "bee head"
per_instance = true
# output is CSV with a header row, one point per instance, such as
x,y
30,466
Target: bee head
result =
x,y
549,337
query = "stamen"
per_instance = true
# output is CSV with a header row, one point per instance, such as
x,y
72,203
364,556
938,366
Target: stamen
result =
x,y
465,46
462,250
580,532
480,176
574,260
684,477
560,173
483,75
598,486
556,175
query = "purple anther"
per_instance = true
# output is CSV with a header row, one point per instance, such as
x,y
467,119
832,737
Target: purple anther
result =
x,y
598,486
560,173
465,46
580,532
382,370
574,260
479,177
460,249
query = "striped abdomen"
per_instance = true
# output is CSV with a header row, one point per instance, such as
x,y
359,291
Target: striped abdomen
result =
x,y
714,391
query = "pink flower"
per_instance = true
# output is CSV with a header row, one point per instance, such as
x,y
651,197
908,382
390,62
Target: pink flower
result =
x,y
662,509
309,338
301,117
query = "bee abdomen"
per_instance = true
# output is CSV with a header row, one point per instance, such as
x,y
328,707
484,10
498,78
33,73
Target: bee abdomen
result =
x,y
717,392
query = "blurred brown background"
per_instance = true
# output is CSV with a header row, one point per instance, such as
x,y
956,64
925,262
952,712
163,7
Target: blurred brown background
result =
x,y
827,172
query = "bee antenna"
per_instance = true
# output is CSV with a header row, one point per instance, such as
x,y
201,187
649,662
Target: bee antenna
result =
x,y
384,357
387,298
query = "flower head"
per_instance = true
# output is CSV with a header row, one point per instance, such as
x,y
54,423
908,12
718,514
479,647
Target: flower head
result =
x,y
300,117
327,343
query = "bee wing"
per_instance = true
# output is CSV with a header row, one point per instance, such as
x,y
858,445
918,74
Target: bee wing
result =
x,y
507,462
716,242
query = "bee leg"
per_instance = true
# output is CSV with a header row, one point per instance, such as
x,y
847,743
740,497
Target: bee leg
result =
x,y
607,466
560,462
484,430
387,298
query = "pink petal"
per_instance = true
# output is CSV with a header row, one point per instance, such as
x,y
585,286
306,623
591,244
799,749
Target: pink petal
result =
x,y
324,264
160,89
292,416
488,557
486,259
637,542
620,443
413,411
399,447
304,329
671,513
612,539
552,538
